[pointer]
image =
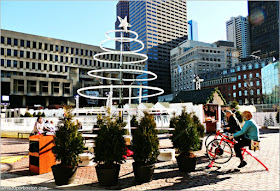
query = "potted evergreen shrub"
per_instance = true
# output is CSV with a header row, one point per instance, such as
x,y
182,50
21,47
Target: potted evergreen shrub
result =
x,y
68,145
145,147
185,139
200,130
109,150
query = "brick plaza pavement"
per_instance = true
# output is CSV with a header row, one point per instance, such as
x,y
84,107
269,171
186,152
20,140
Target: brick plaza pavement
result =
x,y
166,177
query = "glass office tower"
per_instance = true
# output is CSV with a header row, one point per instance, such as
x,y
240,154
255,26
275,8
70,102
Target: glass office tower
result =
x,y
270,83
161,25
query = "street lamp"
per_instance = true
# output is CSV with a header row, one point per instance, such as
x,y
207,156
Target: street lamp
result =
x,y
77,104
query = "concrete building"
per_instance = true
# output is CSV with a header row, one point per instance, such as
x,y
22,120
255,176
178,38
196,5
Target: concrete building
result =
x,y
48,71
122,11
264,28
193,57
242,83
161,25
192,30
238,33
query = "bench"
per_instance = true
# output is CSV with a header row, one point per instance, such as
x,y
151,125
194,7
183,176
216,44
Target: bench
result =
x,y
22,134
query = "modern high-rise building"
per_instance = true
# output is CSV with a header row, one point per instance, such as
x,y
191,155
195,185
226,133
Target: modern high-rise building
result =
x,y
192,30
122,11
264,28
47,71
194,58
161,25
238,33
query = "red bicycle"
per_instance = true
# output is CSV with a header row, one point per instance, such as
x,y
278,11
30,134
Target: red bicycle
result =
x,y
220,150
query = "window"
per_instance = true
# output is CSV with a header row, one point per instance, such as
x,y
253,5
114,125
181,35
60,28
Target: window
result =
x,y
263,64
67,49
234,94
251,83
39,66
33,65
258,83
2,40
258,91
82,52
21,53
244,67
77,51
240,93
9,41
15,53
252,92
245,84
15,42
9,52
21,64
56,48
40,45
45,56
251,75
34,45
9,63
27,64
2,51
28,44
257,65
45,66
238,68
51,47
56,58
250,67
257,75
34,55
234,87
62,49
72,50
15,63
239,77
22,43
239,85
46,46
66,68
61,58
50,67
245,92
245,76
2,62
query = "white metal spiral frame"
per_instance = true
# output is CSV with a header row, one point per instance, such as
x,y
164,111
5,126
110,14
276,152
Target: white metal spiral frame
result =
x,y
93,73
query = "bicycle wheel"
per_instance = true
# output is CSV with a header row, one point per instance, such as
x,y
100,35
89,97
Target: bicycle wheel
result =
x,y
218,151
211,137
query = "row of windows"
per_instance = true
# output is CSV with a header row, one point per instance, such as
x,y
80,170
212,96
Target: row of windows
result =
x,y
57,58
43,66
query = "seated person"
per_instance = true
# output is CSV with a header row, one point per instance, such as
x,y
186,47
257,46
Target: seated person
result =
x,y
250,131
233,124
38,126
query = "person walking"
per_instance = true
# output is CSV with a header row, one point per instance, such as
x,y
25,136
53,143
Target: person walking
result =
x,y
250,131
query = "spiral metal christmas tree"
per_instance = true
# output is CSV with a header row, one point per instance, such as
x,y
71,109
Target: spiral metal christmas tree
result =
x,y
98,57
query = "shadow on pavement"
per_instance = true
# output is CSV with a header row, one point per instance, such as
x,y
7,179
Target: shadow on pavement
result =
x,y
267,131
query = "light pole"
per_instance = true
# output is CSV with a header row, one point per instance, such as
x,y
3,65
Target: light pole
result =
x,y
77,104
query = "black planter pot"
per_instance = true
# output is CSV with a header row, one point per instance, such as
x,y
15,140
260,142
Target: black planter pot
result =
x,y
63,175
107,176
143,173
186,164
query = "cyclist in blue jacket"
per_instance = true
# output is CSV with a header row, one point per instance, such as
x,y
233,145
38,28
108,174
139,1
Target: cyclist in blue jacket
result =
x,y
250,131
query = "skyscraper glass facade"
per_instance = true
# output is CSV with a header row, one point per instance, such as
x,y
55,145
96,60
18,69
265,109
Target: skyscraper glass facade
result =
x,y
161,25
270,83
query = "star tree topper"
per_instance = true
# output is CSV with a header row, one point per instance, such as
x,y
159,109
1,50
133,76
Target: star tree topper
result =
x,y
124,23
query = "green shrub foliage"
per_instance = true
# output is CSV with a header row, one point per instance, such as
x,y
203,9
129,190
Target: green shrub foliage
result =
x,y
109,144
199,126
185,135
145,141
68,141
27,114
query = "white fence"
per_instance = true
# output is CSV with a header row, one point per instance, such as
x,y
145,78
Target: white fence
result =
x,y
265,119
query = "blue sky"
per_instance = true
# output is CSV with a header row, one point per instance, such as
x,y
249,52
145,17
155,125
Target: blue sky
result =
x,y
87,21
